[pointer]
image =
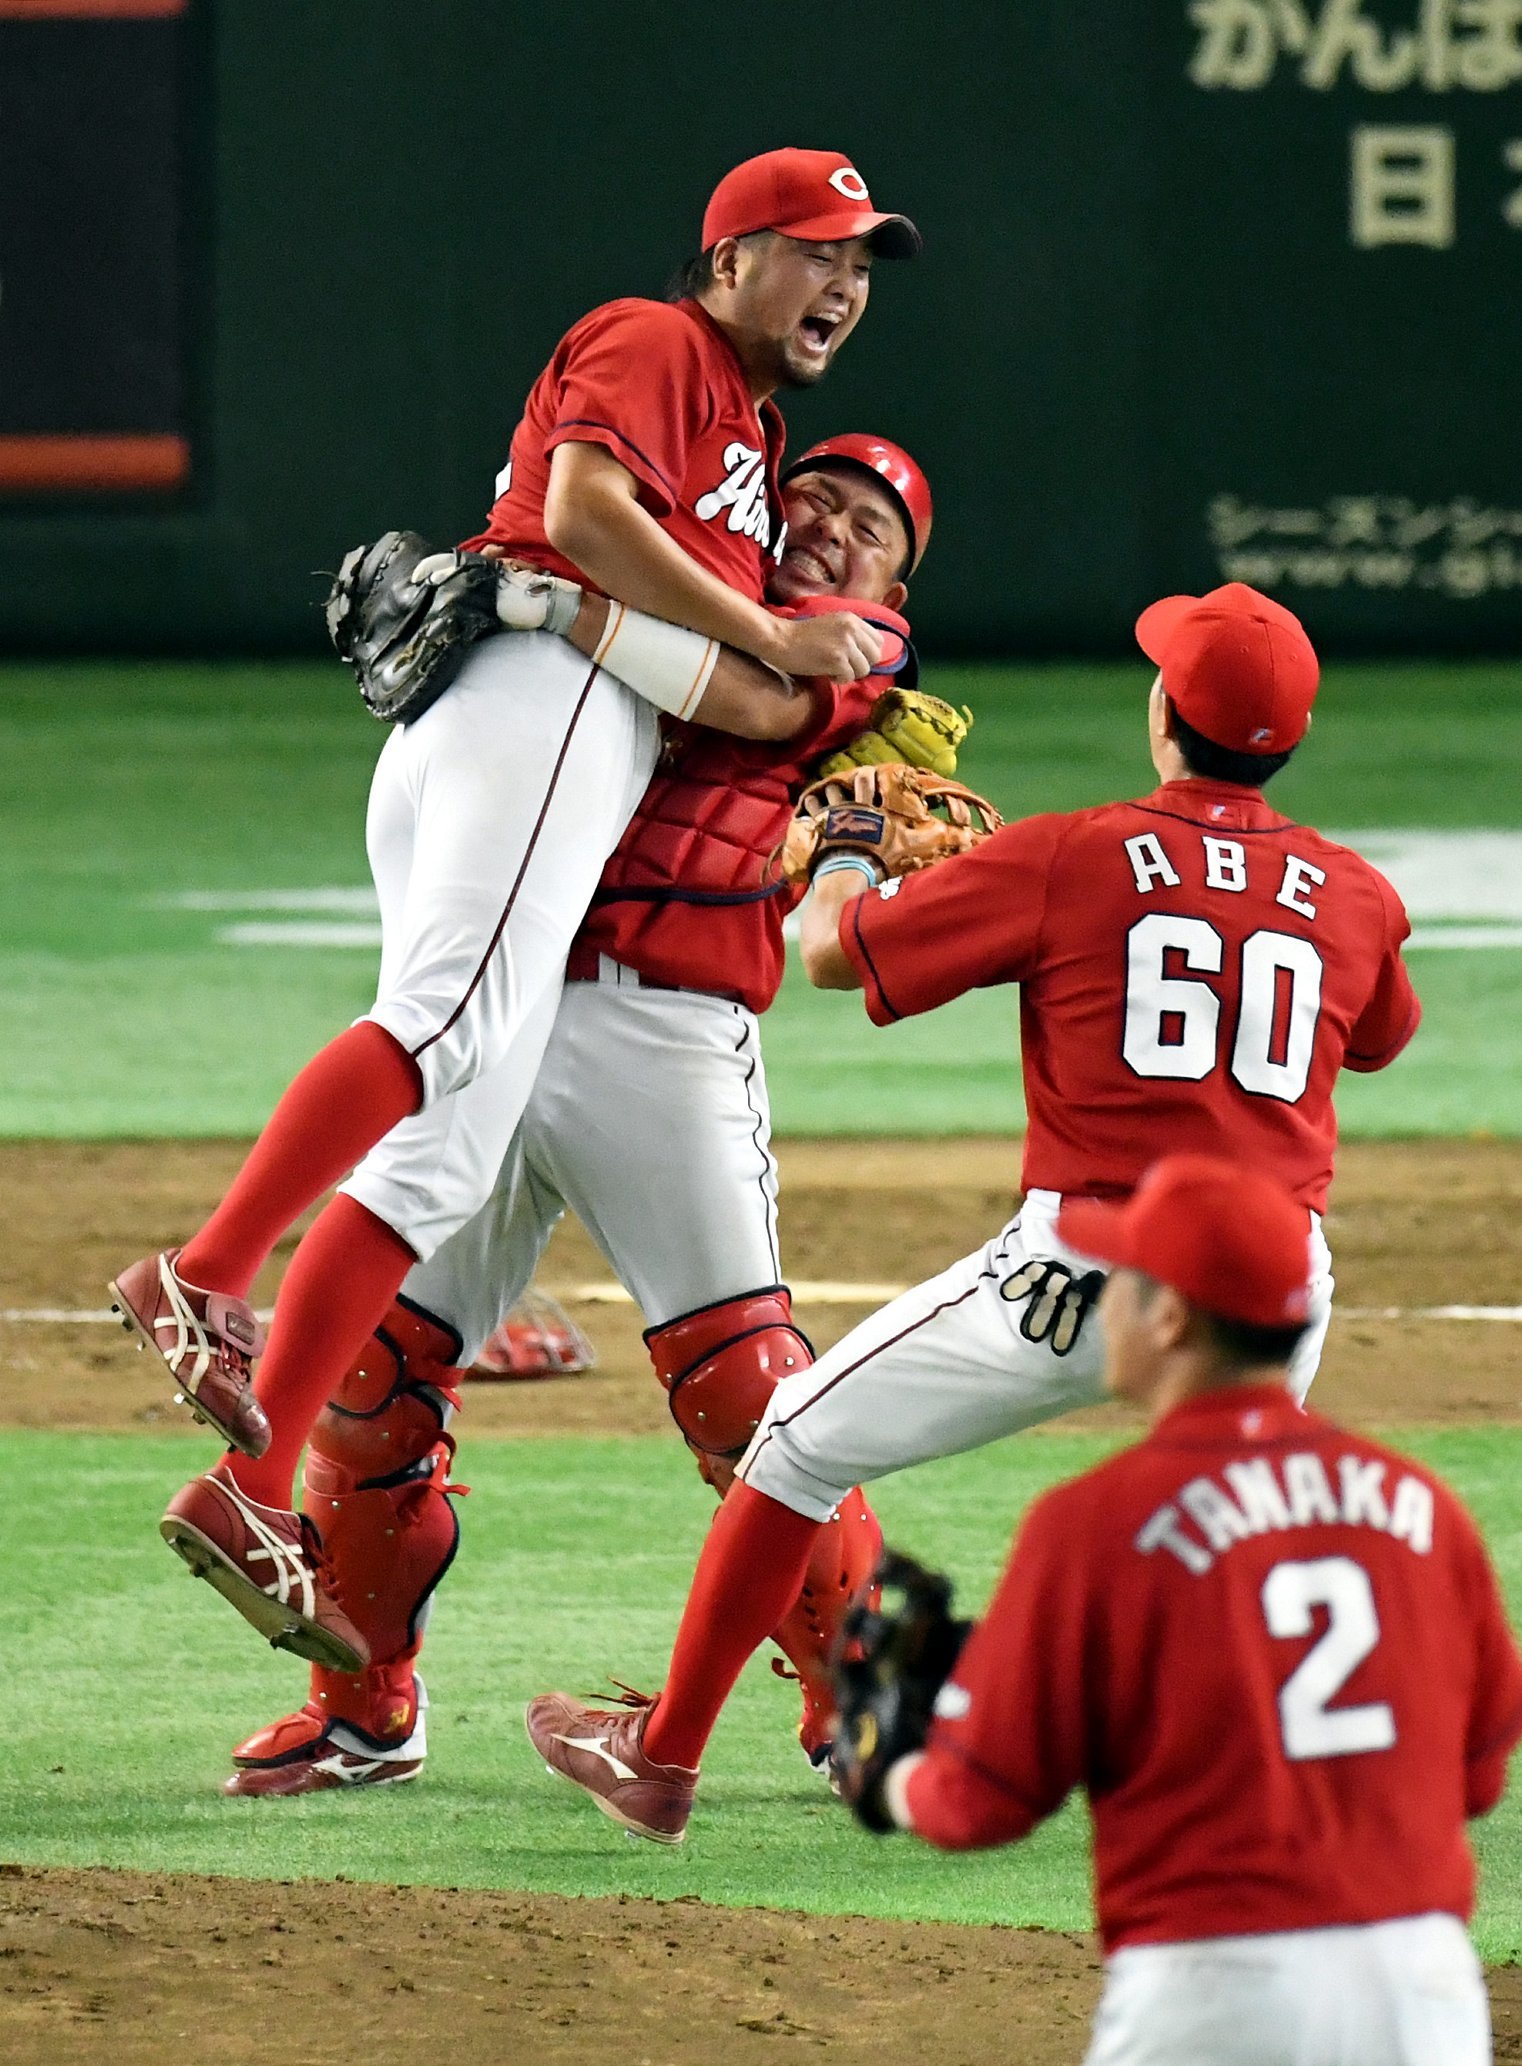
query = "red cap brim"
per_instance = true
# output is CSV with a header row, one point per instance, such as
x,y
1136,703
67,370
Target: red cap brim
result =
x,y
893,236
1096,1229
1158,622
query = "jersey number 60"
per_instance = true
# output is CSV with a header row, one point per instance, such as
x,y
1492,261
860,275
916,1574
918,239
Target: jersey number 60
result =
x,y
1173,1021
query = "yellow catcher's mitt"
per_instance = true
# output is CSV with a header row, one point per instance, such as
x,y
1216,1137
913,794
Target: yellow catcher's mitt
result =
x,y
901,818
905,725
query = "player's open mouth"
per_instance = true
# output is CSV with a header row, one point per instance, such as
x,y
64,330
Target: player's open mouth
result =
x,y
817,332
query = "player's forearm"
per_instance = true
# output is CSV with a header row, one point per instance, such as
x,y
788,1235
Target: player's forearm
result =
x,y
951,1806
618,545
825,961
668,665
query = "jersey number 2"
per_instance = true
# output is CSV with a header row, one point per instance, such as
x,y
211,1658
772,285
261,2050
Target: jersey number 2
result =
x,y
1173,1021
1309,1726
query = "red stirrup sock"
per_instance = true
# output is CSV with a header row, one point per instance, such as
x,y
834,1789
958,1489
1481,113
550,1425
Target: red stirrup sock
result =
x,y
345,1274
345,1099
749,1574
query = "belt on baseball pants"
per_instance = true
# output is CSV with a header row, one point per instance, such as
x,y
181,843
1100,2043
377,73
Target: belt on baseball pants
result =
x,y
584,964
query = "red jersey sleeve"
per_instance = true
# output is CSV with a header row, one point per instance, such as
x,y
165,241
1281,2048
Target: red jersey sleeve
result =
x,y
635,381
920,940
1495,1717
1393,1011
1012,1737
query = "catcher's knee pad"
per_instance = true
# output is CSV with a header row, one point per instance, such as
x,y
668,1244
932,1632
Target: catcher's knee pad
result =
x,y
394,1402
388,1542
840,1570
722,1363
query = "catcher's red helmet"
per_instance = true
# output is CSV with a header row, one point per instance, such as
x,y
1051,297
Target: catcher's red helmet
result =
x,y
892,464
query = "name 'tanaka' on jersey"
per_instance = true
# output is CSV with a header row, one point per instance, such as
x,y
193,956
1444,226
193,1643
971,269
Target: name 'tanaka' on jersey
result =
x,y
1280,1494
1194,970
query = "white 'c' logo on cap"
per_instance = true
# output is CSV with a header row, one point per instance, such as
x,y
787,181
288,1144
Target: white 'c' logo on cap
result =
x,y
845,179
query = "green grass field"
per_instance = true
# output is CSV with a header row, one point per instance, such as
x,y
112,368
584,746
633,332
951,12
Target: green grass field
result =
x,y
126,791
153,814
122,1714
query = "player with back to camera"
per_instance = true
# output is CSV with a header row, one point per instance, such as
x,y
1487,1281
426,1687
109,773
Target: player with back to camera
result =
x,y
644,465
1273,1653
649,1116
1194,971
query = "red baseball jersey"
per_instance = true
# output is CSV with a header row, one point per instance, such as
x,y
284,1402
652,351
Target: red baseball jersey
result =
x,y
659,386
1275,1655
690,897
1194,970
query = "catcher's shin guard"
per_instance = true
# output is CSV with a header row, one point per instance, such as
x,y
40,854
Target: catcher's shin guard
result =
x,y
395,1400
720,1365
376,1484
840,1572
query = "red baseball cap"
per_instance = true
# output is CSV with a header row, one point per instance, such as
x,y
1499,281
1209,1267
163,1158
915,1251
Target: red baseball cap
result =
x,y
816,196
1237,665
1232,1241
892,465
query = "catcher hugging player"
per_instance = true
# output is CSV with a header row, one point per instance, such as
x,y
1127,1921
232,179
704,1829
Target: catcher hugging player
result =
x,y
1194,970
644,466
1273,1652
651,1089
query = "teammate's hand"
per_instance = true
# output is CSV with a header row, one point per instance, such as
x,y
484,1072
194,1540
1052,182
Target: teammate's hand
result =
x,y
837,647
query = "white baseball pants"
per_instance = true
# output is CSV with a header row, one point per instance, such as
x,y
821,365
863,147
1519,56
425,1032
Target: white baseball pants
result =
x,y
490,820
945,1368
1403,1993
649,1118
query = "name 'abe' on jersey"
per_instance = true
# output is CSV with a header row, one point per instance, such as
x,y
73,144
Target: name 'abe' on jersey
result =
x,y
657,384
1194,971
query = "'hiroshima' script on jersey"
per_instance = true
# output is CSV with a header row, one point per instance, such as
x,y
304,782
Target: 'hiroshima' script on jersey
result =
x,y
741,498
658,386
1194,971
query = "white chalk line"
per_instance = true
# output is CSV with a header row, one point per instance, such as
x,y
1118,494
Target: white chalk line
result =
x,y
806,1292
1462,887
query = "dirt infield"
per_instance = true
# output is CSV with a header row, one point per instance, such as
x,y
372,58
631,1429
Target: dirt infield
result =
x,y
1424,1224
137,1969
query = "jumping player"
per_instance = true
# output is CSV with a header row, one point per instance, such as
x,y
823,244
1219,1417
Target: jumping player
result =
x,y
1194,971
652,1087
645,464
1273,1652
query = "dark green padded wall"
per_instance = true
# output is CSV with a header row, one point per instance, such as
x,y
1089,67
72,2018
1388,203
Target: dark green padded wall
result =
x,y
1141,347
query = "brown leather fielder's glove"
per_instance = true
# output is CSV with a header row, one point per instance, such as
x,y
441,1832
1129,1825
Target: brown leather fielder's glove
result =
x,y
892,1662
902,818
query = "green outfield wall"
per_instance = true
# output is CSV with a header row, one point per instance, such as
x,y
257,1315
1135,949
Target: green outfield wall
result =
x,y
1212,288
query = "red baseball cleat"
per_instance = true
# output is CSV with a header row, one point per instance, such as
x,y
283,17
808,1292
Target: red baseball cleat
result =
x,y
207,1338
268,1564
537,1339
313,1752
600,1751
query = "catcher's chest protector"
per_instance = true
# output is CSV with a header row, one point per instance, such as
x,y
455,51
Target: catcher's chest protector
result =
x,y
704,827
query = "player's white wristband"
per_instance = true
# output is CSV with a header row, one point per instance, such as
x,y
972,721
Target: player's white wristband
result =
x,y
896,1787
665,663
832,864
